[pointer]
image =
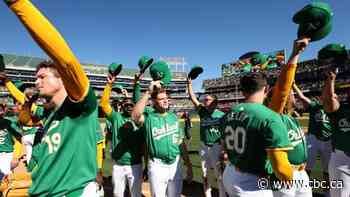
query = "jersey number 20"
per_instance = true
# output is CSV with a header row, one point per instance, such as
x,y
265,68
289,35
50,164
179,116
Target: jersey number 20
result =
x,y
235,139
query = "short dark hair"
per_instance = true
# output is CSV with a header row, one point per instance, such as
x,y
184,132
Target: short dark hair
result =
x,y
156,92
253,82
48,64
215,98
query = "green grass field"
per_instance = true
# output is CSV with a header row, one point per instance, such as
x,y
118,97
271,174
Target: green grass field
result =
x,y
193,149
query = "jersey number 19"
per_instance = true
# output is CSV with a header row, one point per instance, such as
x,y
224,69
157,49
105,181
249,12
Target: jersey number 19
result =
x,y
53,142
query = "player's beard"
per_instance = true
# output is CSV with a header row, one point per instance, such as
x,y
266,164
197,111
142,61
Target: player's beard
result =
x,y
162,109
127,112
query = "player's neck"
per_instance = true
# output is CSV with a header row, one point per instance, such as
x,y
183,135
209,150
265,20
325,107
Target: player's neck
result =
x,y
58,98
255,98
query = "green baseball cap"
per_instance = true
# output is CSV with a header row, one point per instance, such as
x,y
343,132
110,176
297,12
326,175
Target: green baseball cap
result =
x,y
315,21
271,66
117,87
248,55
246,68
195,72
259,58
160,71
144,63
115,68
335,52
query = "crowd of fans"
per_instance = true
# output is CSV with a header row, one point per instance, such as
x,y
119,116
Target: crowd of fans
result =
x,y
309,77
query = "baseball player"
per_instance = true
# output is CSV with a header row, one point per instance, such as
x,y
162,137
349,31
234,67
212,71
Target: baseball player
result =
x,y
31,118
339,164
283,102
319,133
28,124
256,142
100,139
9,130
296,156
127,141
210,148
164,141
66,154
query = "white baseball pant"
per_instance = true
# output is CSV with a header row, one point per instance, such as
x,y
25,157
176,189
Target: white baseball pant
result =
x,y
210,157
130,174
28,141
300,188
240,184
90,190
165,180
339,171
5,164
315,147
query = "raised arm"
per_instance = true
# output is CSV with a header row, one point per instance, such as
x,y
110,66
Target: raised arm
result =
x,y
330,101
136,94
104,102
285,80
306,101
137,112
13,90
49,39
193,97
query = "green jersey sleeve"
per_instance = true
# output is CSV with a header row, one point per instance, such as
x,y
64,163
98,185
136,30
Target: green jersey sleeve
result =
x,y
276,135
14,129
115,118
89,103
136,96
313,105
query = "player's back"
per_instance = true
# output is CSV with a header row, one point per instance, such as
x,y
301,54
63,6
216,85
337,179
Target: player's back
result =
x,y
250,129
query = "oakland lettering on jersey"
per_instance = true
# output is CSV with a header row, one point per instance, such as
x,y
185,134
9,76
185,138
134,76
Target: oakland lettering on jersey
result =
x,y
296,136
164,131
344,125
3,134
321,117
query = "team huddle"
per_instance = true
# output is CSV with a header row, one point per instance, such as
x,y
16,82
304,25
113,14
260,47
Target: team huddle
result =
x,y
55,141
